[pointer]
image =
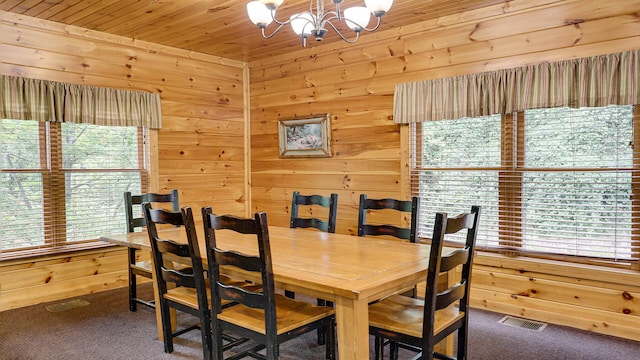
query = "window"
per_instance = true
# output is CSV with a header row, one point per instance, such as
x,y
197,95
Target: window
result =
x,y
62,184
557,183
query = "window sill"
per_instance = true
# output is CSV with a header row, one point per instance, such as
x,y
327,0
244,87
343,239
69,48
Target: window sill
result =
x,y
57,251
530,265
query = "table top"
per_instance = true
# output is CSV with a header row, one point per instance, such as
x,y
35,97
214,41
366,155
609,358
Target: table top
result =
x,y
318,263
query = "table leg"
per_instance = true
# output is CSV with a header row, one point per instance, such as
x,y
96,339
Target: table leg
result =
x,y
352,324
156,299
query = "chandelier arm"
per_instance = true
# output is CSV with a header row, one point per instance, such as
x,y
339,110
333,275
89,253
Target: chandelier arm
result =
x,y
342,36
329,16
338,12
365,28
280,23
275,31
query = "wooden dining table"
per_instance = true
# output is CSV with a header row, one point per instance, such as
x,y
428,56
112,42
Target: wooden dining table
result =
x,y
349,270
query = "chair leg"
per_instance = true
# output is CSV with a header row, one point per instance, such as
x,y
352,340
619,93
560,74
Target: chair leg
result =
x,y
330,343
167,334
272,351
321,332
393,350
217,345
132,280
378,348
205,331
462,344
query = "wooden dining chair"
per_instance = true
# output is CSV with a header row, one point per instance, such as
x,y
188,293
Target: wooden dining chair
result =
x,y
143,267
264,316
404,206
179,287
328,225
410,207
421,324
330,202
182,280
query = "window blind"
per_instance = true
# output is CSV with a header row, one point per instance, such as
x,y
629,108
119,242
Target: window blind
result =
x,y
555,183
63,183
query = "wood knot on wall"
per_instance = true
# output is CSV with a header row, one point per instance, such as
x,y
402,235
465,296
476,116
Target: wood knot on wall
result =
x,y
346,182
217,9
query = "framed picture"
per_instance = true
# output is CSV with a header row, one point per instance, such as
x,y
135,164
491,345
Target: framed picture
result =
x,y
305,137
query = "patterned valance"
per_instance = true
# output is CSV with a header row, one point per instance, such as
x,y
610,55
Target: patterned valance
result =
x,y
42,100
586,82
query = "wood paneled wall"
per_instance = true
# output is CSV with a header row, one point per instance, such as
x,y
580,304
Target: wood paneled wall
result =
x,y
355,84
200,150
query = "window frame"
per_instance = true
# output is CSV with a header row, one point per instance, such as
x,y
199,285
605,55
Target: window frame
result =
x,y
53,176
510,218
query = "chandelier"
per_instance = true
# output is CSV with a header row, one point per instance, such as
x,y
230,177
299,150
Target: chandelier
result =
x,y
263,12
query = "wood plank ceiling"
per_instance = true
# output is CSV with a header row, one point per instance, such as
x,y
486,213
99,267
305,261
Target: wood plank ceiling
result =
x,y
216,27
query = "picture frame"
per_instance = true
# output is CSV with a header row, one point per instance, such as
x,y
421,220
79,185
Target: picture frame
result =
x,y
305,137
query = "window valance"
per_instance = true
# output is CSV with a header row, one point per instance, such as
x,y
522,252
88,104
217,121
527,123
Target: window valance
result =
x,y
585,82
42,100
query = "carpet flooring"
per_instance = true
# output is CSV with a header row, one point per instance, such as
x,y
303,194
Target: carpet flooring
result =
x,y
100,326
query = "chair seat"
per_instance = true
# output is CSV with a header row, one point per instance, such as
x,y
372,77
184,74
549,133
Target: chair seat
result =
x,y
403,314
142,268
291,314
184,295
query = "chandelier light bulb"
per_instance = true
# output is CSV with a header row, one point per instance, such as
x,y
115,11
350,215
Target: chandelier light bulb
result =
x,y
272,4
357,17
302,23
378,7
259,14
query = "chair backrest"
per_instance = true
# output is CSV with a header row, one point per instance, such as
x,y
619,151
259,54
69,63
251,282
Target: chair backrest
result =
x,y
409,206
437,299
262,298
330,202
170,256
130,201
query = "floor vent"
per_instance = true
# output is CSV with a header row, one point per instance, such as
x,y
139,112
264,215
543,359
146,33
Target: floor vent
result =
x,y
66,305
522,323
